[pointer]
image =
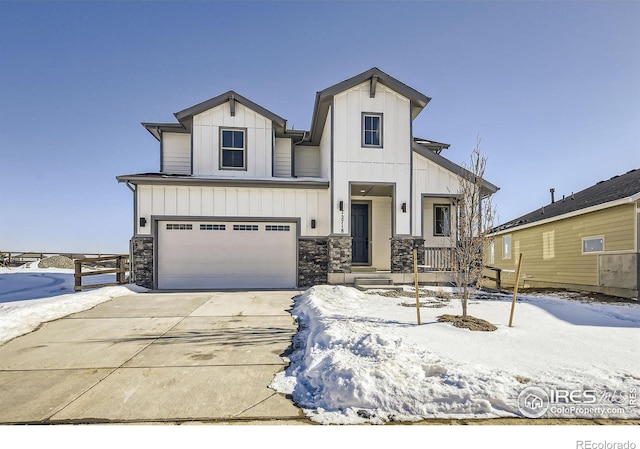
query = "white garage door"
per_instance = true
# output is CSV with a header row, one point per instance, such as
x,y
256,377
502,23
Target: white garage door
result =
x,y
211,255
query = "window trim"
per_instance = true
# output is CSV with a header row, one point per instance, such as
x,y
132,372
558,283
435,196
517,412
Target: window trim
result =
x,y
507,256
436,206
363,115
592,237
221,148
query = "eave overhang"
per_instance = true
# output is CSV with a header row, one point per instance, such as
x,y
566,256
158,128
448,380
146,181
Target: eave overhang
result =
x,y
156,129
184,180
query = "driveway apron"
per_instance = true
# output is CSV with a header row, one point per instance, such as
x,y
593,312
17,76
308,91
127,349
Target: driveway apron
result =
x,y
154,357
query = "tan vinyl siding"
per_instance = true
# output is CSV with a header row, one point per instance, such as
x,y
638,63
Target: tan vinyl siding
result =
x,y
552,252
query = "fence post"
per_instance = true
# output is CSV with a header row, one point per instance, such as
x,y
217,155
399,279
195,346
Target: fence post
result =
x,y
515,291
415,275
78,275
121,267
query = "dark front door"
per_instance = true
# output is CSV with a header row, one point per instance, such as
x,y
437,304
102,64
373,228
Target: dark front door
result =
x,y
360,233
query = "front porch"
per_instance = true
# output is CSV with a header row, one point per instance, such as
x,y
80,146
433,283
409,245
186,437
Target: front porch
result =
x,y
434,266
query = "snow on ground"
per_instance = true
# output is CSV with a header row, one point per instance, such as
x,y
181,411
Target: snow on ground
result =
x,y
362,358
30,296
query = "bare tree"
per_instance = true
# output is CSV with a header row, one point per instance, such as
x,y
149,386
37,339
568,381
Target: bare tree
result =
x,y
475,214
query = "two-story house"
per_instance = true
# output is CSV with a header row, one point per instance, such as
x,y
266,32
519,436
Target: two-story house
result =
x,y
241,201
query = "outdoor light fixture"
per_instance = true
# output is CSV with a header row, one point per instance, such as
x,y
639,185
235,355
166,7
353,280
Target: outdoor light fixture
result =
x,y
341,205
313,224
404,207
143,222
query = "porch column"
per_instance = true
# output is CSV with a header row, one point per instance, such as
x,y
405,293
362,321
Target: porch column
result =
x,y
339,254
313,261
402,253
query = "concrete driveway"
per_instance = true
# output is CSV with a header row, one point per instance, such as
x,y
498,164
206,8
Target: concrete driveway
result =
x,y
155,357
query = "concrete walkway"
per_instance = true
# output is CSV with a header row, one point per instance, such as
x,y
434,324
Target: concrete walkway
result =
x,y
154,358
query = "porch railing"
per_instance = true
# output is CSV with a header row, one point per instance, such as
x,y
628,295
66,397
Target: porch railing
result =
x,y
438,259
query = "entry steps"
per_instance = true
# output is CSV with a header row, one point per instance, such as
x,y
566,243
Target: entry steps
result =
x,y
375,284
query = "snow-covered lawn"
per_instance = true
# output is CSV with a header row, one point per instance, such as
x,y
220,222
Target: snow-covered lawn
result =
x,y
360,357
30,296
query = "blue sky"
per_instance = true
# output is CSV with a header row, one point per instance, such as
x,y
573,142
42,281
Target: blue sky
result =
x,y
552,88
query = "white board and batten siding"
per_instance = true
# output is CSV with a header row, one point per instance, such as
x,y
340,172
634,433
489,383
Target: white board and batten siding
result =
x,y
431,179
282,161
307,162
226,254
201,201
176,153
259,141
355,163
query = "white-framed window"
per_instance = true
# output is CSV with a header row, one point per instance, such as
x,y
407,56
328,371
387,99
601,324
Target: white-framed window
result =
x,y
441,220
506,246
592,244
492,251
372,130
233,149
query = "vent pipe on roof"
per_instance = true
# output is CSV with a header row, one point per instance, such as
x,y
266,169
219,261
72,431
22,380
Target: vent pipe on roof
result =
x,y
553,198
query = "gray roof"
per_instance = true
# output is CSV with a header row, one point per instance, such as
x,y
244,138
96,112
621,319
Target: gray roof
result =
x,y
324,98
616,188
156,129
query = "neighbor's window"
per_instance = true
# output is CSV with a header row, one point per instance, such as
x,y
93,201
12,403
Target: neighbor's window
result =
x,y
233,149
372,130
492,252
506,247
592,245
441,220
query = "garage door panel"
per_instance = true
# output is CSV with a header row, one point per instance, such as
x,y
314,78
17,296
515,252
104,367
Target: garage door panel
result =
x,y
213,255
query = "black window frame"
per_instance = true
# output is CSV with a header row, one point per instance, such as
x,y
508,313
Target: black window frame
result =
x,y
243,148
365,132
445,232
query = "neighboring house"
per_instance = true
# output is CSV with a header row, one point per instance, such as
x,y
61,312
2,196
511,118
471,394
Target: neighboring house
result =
x,y
243,201
586,241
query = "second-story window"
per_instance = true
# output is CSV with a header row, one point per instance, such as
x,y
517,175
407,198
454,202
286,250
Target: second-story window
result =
x,y
372,130
233,149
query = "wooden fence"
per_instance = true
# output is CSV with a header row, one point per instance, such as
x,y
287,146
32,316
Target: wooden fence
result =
x,y
120,270
497,277
17,258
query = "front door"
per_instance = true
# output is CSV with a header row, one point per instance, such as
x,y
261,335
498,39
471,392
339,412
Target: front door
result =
x,y
360,233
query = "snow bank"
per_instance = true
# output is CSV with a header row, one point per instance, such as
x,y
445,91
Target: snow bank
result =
x,y
361,358
21,317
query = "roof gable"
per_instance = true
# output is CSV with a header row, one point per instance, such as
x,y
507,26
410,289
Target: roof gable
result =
x,y
617,188
186,115
324,98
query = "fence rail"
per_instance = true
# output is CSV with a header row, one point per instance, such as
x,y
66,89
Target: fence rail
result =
x,y
16,258
121,263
